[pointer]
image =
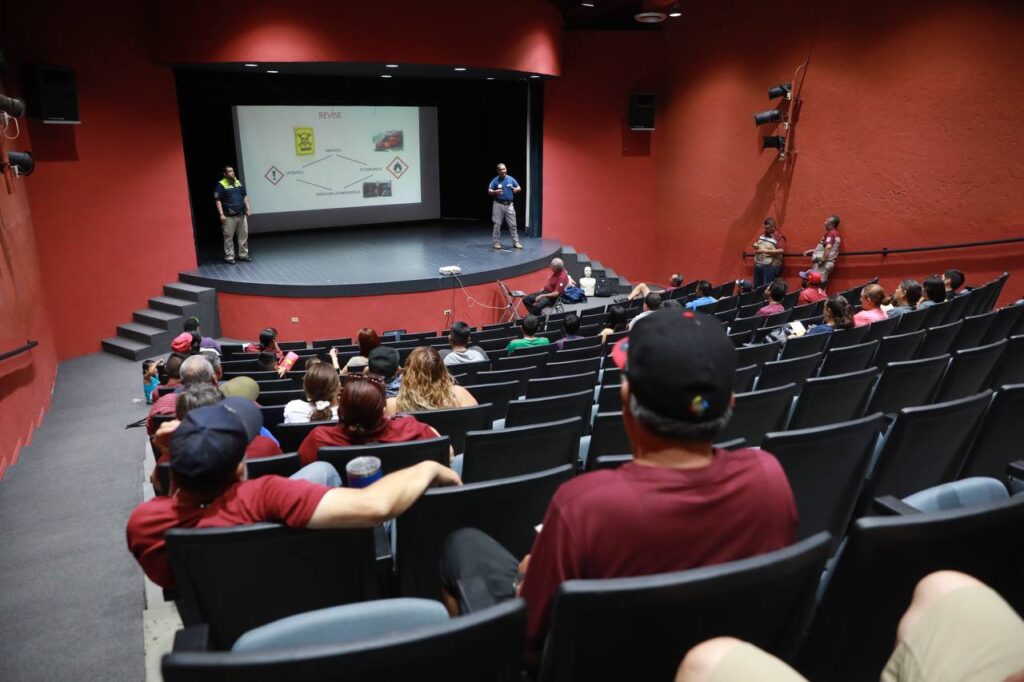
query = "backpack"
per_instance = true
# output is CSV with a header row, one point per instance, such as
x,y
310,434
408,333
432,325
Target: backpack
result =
x,y
573,295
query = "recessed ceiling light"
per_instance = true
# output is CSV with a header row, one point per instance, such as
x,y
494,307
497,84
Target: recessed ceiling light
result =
x,y
391,66
385,75
675,14
587,4
460,68
490,78
533,75
252,64
650,17
272,71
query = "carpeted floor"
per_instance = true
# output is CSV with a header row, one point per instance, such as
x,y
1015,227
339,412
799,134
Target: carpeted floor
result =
x,y
71,596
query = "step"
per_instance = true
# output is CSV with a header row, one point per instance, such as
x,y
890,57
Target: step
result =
x,y
141,332
183,290
158,318
126,348
170,304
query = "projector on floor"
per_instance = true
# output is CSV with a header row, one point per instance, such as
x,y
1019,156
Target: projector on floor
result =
x,y
450,270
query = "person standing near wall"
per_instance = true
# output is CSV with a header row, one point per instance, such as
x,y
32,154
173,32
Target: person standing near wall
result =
x,y
503,189
768,250
823,256
233,208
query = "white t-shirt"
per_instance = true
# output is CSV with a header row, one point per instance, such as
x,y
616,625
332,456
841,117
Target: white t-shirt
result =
x,y
299,411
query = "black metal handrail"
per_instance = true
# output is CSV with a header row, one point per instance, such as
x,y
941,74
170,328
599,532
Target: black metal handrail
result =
x,y
912,249
20,349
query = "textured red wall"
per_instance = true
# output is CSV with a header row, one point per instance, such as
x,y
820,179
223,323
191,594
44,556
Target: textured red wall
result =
x,y
242,317
600,178
26,380
910,131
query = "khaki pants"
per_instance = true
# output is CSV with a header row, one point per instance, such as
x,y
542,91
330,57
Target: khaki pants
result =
x,y
499,214
232,225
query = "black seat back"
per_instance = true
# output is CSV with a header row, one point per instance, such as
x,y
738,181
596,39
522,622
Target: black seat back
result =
x,y
456,422
757,355
573,367
898,347
799,346
846,359
393,456
519,450
608,437
795,371
912,321
220,571
609,398
1005,323
486,645
745,377
973,331
278,465
560,385
290,436
970,371
540,410
831,399
855,625
521,375
758,412
935,315
280,397
906,384
639,628
999,436
938,339
841,338
506,509
878,330
497,395
826,467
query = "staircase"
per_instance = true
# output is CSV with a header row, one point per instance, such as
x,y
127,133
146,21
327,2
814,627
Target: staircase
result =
x,y
575,262
151,330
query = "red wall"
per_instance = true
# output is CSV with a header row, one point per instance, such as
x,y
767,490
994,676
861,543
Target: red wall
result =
x,y
600,178
242,316
26,380
910,131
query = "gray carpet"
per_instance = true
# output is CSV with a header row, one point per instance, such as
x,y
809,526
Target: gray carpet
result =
x,y
71,596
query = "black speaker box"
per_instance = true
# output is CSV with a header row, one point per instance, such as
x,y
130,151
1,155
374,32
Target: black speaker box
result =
x,y
51,93
641,111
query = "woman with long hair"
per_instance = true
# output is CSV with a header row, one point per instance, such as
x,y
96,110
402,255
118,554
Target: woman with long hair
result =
x,y
837,314
427,385
615,322
321,387
934,292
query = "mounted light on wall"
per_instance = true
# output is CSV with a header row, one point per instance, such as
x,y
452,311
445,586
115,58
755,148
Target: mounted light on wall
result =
x,y
774,142
780,90
770,116
21,163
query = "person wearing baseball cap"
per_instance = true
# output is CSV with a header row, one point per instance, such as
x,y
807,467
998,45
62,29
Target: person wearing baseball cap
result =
x,y
679,369
207,449
813,290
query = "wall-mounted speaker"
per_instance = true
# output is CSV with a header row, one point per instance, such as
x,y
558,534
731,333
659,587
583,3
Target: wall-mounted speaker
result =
x,y
51,93
641,111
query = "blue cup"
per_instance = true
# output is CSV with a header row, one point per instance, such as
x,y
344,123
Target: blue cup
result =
x,y
363,471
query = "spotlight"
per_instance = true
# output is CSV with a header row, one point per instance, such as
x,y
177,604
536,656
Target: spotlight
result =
x,y
774,142
21,163
12,106
780,90
770,116
675,11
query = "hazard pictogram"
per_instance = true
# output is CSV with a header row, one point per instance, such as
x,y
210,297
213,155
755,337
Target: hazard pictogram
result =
x,y
397,167
274,175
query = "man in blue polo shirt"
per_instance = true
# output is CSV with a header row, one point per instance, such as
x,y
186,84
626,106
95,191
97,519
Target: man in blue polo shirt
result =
x,y
233,207
504,188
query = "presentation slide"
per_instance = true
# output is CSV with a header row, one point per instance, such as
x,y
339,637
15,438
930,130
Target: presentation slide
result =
x,y
306,167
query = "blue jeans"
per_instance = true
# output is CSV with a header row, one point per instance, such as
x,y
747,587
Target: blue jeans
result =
x,y
318,472
766,274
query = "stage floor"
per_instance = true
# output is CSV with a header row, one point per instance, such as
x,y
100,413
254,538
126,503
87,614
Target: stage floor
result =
x,y
367,261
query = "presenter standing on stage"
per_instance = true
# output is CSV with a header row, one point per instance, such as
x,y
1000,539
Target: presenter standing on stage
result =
x,y
503,189
233,208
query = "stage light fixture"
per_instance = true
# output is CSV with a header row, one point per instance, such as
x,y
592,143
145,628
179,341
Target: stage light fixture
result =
x,y
12,106
21,163
770,116
774,142
675,11
780,90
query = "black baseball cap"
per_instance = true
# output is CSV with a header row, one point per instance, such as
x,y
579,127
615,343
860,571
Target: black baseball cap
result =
x,y
679,365
383,360
211,441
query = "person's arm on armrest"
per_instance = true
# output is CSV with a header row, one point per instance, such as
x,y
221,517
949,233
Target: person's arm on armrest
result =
x,y
384,500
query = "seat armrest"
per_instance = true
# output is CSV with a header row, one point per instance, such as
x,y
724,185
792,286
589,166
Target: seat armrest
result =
x,y
888,505
192,638
1016,469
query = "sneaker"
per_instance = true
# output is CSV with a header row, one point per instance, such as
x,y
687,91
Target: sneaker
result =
x,y
229,261
497,246
245,259
518,245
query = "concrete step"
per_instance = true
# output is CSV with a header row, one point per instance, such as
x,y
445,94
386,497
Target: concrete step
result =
x,y
141,332
158,318
126,348
171,304
183,290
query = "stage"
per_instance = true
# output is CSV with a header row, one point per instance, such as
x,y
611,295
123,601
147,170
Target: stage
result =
x,y
372,260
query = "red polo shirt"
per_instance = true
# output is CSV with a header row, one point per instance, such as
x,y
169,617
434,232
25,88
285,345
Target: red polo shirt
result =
x,y
395,430
557,282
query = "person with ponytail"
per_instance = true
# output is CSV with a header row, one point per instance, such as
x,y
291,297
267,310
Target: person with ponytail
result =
x,y
321,388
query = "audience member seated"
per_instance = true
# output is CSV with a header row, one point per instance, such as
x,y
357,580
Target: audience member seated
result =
x,y
813,290
774,295
905,298
530,325
652,302
952,280
184,343
194,370
743,286
703,295
192,325
461,352
956,628
169,375
427,385
383,363
715,505
206,469
363,420
615,322
367,339
267,342
552,291
571,328
642,290
837,314
149,379
321,388
934,292
871,297
268,361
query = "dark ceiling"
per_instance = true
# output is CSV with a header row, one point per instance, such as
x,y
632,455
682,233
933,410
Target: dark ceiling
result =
x,y
611,15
